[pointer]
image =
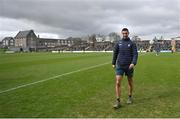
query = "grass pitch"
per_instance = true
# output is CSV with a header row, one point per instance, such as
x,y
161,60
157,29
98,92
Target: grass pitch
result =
x,y
89,92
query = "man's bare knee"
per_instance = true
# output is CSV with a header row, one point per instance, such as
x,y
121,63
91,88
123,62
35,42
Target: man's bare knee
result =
x,y
118,83
118,80
130,81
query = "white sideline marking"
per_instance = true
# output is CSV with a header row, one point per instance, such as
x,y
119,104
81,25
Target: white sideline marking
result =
x,y
54,77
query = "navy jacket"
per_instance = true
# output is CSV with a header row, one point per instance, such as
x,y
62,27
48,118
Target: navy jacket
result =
x,y
125,53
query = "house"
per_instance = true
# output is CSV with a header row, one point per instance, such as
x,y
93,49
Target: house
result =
x,y
1,44
8,42
26,40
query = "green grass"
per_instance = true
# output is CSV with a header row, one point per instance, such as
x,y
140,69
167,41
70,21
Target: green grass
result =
x,y
88,93
2,50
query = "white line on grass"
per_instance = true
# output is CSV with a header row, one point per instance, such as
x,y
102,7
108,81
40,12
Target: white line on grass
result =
x,y
54,77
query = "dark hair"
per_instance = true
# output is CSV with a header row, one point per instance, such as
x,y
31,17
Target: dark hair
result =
x,y
125,29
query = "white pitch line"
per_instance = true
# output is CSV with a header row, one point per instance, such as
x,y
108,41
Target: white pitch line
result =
x,y
54,77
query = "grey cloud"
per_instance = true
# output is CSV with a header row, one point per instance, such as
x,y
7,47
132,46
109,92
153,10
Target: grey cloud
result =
x,y
81,17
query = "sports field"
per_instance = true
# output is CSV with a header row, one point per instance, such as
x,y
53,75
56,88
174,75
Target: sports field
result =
x,y
82,85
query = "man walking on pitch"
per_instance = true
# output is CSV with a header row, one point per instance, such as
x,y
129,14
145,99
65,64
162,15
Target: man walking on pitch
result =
x,y
125,57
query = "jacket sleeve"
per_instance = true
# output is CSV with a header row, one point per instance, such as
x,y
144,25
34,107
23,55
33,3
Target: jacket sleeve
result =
x,y
135,54
115,53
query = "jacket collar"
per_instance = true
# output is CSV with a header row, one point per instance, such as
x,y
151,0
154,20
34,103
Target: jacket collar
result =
x,y
126,39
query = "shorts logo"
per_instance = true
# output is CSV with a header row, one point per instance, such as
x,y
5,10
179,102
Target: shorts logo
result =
x,y
129,45
120,44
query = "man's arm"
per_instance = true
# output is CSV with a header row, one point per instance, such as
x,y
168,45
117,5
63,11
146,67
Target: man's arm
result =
x,y
135,54
115,54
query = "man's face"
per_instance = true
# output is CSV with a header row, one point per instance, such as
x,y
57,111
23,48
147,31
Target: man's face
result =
x,y
125,34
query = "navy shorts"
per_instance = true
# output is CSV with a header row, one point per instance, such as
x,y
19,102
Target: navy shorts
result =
x,y
121,70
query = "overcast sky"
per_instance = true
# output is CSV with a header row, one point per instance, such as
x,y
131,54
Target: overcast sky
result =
x,y
64,18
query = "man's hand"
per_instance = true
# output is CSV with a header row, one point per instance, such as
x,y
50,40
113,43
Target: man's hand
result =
x,y
113,66
131,66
